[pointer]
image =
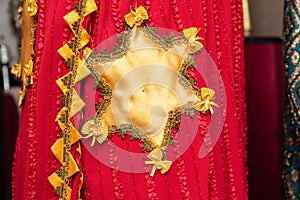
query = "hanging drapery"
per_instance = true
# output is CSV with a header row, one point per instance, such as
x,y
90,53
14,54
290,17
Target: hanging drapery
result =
x,y
291,154
51,158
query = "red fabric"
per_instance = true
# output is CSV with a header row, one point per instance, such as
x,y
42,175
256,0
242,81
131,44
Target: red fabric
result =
x,y
220,175
265,100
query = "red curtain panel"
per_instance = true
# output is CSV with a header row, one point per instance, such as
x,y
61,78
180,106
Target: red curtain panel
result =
x,y
265,100
222,174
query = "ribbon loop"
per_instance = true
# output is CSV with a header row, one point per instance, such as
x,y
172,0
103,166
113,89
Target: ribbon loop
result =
x,y
156,157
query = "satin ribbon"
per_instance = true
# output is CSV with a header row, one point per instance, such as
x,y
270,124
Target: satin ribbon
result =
x,y
205,101
77,104
97,132
156,157
136,16
191,34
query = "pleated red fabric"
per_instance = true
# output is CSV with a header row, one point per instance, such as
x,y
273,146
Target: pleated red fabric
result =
x,y
222,174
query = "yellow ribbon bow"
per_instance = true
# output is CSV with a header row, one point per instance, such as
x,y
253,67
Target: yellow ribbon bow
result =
x,y
205,101
32,7
91,129
191,34
136,16
155,157
16,70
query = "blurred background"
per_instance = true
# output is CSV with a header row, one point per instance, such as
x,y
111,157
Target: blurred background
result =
x,y
264,70
264,88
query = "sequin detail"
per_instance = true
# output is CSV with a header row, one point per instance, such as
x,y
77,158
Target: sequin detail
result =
x,y
291,154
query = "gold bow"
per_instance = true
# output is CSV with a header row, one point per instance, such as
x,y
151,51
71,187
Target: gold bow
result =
x,y
205,101
91,129
16,70
32,7
136,16
191,34
155,157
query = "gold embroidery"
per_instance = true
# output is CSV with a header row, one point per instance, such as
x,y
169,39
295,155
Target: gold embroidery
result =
x,y
164,42
295,58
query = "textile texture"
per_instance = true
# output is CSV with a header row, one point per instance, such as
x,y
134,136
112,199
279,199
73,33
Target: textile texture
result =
x,y
291,154
222,174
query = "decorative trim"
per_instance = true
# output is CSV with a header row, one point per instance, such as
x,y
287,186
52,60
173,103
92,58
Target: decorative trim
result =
x,y
69,135
28,13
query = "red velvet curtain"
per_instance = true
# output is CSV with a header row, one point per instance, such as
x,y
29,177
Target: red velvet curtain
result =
x,y
220,175
265,100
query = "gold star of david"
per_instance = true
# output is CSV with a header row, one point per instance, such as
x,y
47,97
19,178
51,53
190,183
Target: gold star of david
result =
x,y
145,85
